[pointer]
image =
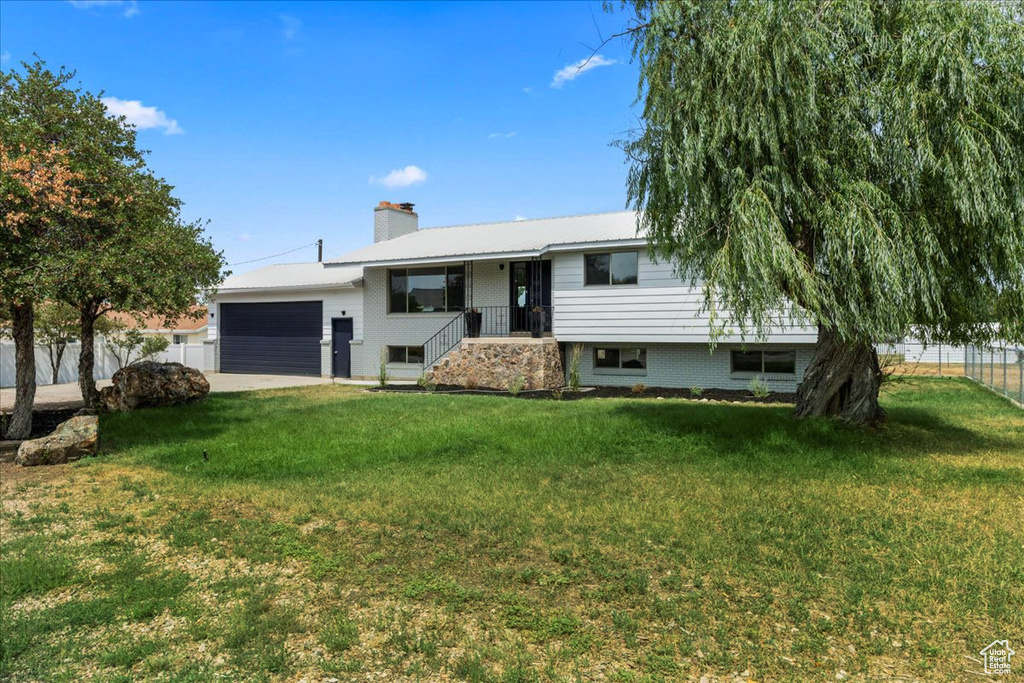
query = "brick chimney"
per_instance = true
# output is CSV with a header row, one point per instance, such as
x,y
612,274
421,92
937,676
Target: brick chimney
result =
x,y
393,220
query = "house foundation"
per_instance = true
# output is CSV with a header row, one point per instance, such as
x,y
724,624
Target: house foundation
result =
x,y
498,363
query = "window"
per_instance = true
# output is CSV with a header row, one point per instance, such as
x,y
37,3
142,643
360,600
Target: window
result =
x,y
427,290
621,359
405,354
615,268
179,339
761,362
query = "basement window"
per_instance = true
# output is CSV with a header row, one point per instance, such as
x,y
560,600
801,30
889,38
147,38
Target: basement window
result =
x,y
620,359
772,362
405,354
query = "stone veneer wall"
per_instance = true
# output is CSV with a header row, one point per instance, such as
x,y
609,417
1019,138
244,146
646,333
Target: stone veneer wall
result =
x,y
496,363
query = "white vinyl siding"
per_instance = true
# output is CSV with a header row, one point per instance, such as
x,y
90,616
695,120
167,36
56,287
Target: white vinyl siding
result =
x,y
659,308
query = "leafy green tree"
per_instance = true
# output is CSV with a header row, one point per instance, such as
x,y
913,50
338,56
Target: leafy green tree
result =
x,y
37,194
861,163
131,250
137,255
126,343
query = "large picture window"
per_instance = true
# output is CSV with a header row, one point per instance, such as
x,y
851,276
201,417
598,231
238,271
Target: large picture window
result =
x,y
621,359
427,290
764,362
614,268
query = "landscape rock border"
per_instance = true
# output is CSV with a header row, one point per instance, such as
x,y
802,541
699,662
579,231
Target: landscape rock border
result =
x,y
708,395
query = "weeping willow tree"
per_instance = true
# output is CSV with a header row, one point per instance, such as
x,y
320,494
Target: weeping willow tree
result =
x,y
861,163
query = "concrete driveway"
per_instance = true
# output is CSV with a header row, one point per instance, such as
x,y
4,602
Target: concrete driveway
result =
x,y
52,396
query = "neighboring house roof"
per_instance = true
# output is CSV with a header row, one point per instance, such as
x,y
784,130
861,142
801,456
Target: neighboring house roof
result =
x,y
155,323
291,275
491,240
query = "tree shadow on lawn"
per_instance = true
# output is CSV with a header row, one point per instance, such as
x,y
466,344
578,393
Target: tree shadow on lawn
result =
x,y
769,440
758,440
194,424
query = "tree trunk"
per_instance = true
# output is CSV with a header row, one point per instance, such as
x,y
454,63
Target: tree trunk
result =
x,y
87,358
55,367
23,329
842,381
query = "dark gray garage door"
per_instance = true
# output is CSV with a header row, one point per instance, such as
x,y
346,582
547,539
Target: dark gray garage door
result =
x,y
280,338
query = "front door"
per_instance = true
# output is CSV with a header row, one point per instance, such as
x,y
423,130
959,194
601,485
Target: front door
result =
x,y
529,286
341,350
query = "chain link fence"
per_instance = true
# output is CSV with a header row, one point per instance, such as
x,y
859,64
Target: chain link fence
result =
x,y
1000,368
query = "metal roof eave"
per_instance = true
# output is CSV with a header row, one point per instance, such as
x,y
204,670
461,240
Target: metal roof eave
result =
x,y
290,288
492,256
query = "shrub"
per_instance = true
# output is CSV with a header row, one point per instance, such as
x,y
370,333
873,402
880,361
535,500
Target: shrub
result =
x,y
696,391
574,367
517,384
128,342
556,394
422,380
639,388
759,387
382,376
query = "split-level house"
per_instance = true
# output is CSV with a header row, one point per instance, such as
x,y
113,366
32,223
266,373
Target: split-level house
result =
x,y
483,304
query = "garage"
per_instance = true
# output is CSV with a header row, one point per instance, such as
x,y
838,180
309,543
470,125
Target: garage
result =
x,y
278,338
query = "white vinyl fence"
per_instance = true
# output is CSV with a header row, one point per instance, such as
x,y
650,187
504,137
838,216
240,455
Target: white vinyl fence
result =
x,y
186,354
104,367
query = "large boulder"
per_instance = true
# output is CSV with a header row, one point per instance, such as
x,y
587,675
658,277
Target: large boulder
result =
x,y
72,440
147,384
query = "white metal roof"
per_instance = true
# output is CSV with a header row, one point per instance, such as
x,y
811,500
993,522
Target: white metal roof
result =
x,y
292,275
514,238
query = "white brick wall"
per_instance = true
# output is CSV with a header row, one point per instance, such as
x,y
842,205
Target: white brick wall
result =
x,y
382,329
686,366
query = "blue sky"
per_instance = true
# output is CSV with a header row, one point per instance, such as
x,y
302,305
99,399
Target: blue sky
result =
x,y
283,122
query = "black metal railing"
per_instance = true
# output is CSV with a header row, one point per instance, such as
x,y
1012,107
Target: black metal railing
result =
x,y
487,321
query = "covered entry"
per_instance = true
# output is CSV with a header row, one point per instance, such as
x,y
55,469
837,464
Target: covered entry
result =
x,y
278,338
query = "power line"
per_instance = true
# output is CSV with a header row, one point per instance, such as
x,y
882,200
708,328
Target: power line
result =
x,y
290,251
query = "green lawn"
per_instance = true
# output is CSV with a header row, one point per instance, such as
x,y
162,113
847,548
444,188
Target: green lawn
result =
x,y
336,533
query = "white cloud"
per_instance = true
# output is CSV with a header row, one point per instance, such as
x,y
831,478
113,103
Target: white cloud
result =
x,y
141,116
131,7
495,136
244,237
5,57
576,69
528,90
401,177
291,26
520,218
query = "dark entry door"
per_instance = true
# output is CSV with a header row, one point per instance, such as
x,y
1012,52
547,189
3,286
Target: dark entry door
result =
x,y
279,338
341,350
529,286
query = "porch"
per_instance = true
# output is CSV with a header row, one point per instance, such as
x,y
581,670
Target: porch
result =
x,y
489,323
472,299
